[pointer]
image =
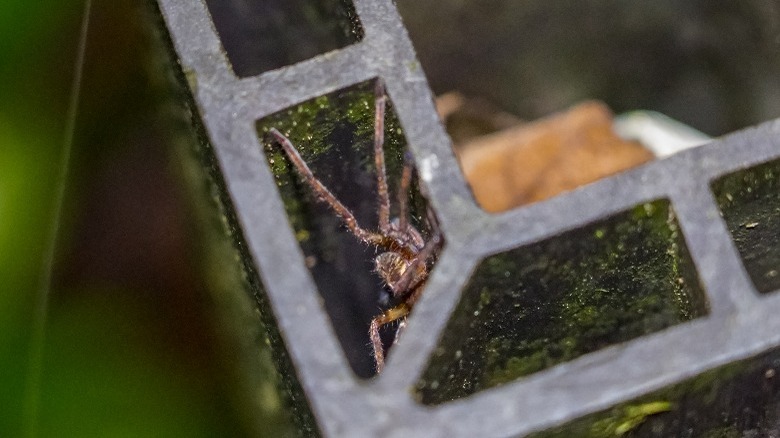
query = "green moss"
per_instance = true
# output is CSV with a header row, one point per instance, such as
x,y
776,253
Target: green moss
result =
x,y
537,306
735,400
334,135
624,419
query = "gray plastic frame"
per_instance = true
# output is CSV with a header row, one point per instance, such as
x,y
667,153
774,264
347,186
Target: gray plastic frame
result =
x,y
741,322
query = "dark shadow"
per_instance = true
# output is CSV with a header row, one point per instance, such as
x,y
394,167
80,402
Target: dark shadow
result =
x,y
750,202
259,36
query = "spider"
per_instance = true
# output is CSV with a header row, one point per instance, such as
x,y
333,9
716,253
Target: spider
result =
x,y
406,258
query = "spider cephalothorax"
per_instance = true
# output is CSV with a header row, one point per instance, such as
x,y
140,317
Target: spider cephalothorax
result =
x,y
406,259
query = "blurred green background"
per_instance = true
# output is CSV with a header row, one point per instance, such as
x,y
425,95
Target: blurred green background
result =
x,y
128,347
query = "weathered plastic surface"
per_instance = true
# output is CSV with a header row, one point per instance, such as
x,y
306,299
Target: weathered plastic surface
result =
x,y
730,315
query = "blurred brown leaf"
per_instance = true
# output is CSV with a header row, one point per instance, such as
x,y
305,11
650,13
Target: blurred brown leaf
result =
x,y
535,161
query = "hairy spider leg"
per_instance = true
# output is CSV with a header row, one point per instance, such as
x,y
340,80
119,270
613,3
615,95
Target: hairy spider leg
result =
x,y
403,191
405,282
390,315
410,282
383,198
324,194
402,310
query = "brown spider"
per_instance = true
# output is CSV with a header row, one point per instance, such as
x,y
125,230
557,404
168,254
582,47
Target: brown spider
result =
x,y
404,263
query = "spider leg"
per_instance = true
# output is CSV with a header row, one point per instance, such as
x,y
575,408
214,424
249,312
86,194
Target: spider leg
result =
x,y
390,315
403,191
325,195
379,157
410,278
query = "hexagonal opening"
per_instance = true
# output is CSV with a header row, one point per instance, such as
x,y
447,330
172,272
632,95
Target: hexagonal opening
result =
x,y
750,204
266,35
741,399
334,135
533,307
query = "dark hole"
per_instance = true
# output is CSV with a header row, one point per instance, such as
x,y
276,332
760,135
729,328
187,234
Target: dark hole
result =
x,y
264,35
334,135
750,203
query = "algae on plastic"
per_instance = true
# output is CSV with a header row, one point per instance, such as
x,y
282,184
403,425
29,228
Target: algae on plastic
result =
x,y
543,304
741,399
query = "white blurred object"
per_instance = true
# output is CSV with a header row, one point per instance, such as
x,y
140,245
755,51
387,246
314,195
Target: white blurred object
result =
x,y
660,134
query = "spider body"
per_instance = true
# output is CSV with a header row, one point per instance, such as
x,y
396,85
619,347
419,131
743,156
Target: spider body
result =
x,y
405,261
391,265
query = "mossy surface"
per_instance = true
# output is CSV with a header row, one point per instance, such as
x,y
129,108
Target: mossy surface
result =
x,y
334,134
537,306
750,203
741,399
